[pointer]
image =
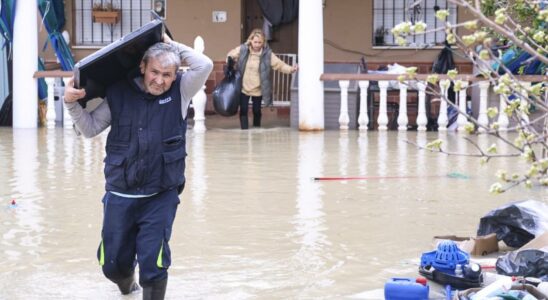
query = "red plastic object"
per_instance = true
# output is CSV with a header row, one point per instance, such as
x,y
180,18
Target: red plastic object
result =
x,y
421,280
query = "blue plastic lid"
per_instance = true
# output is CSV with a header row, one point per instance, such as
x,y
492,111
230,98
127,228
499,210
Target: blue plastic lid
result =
x,y
446,257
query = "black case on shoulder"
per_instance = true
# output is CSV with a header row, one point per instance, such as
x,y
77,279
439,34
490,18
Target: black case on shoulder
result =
x,y
113,62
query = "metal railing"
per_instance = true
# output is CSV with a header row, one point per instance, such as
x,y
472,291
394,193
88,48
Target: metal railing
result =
x,y
132,15
281,83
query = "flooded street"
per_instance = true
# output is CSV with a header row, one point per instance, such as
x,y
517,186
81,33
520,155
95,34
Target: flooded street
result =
x,y
252,224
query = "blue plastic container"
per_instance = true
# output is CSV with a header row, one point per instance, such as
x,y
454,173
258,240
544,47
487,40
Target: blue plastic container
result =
x,y
405,289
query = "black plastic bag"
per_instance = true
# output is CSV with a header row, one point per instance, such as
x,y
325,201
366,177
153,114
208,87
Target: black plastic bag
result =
x,y
226,95
527,263
6,112
516,223
444,62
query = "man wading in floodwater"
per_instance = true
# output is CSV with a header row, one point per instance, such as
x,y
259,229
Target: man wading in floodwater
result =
x,y
145,161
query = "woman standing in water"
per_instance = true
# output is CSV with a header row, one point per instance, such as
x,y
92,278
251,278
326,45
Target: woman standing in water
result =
x,y
255,61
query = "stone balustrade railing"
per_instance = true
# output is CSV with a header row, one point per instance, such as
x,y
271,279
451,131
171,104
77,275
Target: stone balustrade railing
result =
x,y
363,117
51,115
421,84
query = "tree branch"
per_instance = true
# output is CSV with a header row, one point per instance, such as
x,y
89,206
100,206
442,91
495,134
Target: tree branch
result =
x,y
519,43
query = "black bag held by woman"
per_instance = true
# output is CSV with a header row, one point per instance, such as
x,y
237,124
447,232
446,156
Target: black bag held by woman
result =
x,y
226,95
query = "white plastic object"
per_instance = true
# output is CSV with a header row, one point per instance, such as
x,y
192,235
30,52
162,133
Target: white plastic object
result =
x,y
543,287
458,270
66,37
501,285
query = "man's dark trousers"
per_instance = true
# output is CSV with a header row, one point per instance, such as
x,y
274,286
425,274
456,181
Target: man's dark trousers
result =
x,y
137,227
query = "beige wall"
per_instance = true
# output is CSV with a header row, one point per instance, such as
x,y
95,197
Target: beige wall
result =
x,y
347,23
188,18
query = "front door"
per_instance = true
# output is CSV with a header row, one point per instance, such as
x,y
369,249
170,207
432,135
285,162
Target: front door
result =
x,y
284,36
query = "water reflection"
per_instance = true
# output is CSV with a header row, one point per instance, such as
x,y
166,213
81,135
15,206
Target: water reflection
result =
x,y
199,177
442,161
382,153
28,223
402,153
252,223
343,153
464,147
363,145
51,140
25,162
309,219
422,140
69,144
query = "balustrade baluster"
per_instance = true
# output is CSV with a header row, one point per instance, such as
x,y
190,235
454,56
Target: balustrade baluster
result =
x,y
363,118
402,115
461,119
343,115
442,116
483,120
382,120
50,114
422,120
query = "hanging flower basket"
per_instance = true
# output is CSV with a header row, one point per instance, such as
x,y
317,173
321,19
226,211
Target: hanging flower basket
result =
x,y
107,17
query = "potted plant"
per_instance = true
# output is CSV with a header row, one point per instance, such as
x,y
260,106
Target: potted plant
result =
x,y
380,32
105,12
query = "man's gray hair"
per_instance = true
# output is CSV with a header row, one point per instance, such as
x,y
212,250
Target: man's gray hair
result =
x,y
165,54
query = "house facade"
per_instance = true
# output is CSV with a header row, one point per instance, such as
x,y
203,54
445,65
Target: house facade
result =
x,y
354,31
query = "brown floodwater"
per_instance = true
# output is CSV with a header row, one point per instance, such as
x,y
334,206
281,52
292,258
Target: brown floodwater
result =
x,y
252,223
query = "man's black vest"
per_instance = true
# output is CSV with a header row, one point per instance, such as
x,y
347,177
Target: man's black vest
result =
x,y
146,143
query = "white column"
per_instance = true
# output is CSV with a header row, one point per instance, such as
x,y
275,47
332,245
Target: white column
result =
x,y
421,118
199,100
503,118
25,63
67,119
50,114
402,115
311,111
483,120
442,117
343,115
382,119
363,118
461,119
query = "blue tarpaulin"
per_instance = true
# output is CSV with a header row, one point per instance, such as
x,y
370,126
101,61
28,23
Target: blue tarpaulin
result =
x,y
53,25
7,17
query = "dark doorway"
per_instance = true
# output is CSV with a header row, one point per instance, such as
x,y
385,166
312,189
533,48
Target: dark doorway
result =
x,y
284,36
